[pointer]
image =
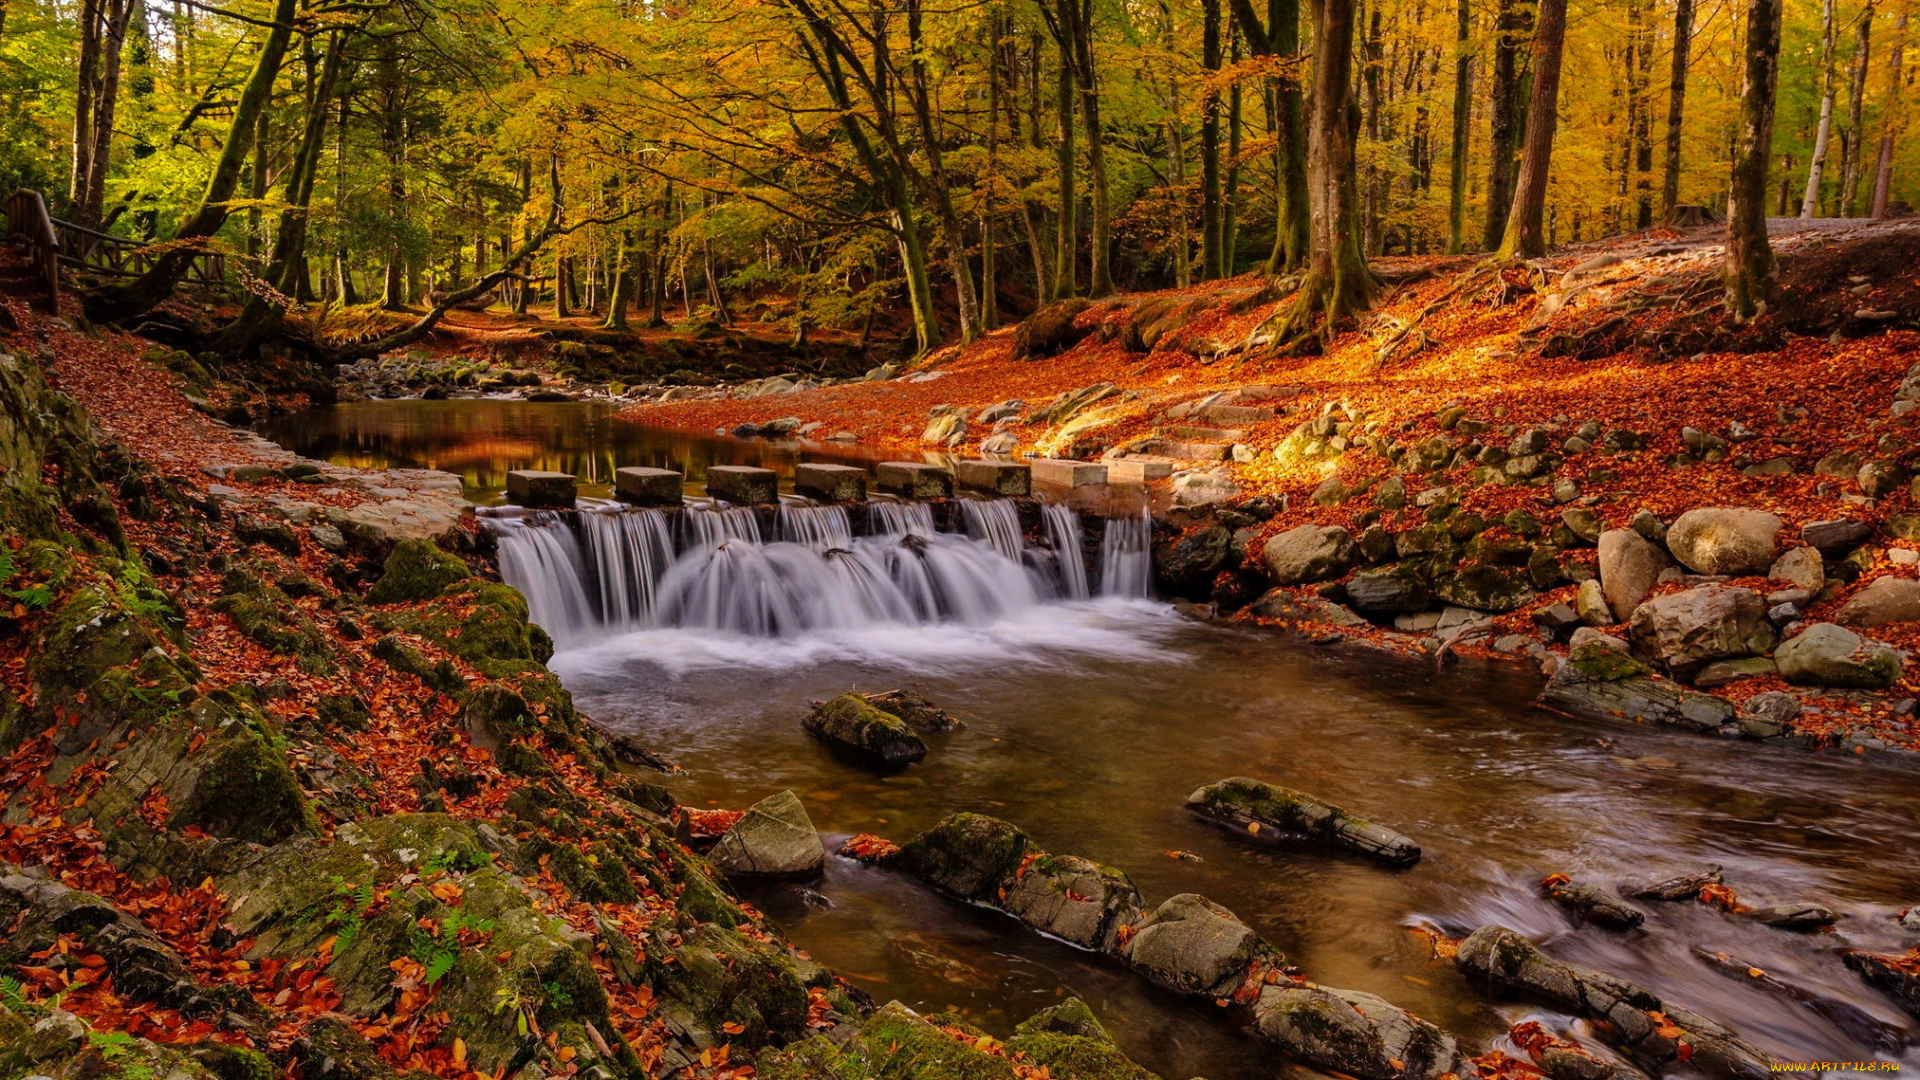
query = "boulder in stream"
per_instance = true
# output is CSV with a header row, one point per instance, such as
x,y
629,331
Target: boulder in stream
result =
x,y
1192,945
1794,916
1599,683
1076,900
1355,1033
1656,1033
855,725
1896,976
1683,887
1263,809
775,839
915,710
1591,903
970,856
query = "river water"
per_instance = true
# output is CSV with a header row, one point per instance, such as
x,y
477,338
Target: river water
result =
x,y
1090,721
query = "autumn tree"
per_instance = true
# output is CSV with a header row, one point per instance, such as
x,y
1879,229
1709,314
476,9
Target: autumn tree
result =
x,y
1749,268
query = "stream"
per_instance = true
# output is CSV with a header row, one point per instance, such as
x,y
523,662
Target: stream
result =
x,y
1090,720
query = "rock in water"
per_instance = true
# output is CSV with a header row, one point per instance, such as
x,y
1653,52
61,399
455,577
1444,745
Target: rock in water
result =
x,y
1263,809
1601,683
1892,975
1724,540
1795,916
915,710
1355,1033
1684,887
967,855
1076,900
775,839
1192,945
1829,655
853,724
1591,903
1656,1033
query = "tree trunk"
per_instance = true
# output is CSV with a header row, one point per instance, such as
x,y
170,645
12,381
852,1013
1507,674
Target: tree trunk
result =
x,y
1338,282
115,15
1749,256
1462,128
657,264
1100,242
1851,145
989,279
1503,131
1210,218
1642,77
1890,123
1525,237
622,271
1066,235
1817,165
1676,102
85,87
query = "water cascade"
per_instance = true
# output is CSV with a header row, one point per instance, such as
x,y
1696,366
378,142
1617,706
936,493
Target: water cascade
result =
x,y
803,567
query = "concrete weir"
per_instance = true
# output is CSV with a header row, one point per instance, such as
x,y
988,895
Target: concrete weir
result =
x,y
536,488
830,483
913,480
649,487
1008,478
743,485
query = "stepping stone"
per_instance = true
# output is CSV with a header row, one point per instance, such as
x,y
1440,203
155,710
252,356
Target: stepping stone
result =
x,y
913,479
1067,473
1138,470
1208,434
743,484
994,477
649,487
1186,451
1240,414
532,487
831,483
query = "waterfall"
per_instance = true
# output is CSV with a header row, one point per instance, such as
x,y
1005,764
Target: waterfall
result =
x,y
997,521
1126,557
1063,531
617,569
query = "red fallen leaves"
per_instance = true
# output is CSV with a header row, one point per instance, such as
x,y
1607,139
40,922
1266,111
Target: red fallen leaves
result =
x,y
1497,1065
707,824
1442,946
868,848
1719,896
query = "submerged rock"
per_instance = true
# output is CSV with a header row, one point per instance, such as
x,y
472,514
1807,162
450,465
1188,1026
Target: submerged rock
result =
x,y
1263,809
1683,887
1591,903
853,724
915,710
1794,916
775,839
1656,1033
1893,975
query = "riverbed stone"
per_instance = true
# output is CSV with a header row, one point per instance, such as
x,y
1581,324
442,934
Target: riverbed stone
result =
x,y
830,483
1724,540
1828,655
967,855
913,479
1684,631
1257,808
1592,903
1657,1034
775,839
1725,672
856,726
1309,553
1003,478
536,487
1801,567
1837,537
1884,600
1076,900
1397,588
1590,604
1191,945
1486,587
743,485
1629,566
649,487
1889,974
1597,682
1801,917
1354,1033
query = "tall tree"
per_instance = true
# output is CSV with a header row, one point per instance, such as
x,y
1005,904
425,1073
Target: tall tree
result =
x,y
1749,256
1817,164
1852,139
1338,281
1211,54
1891,118
1677,101
1279,39
1462,128
1525,235
1503,117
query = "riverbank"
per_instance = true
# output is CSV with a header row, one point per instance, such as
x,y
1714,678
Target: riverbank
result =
x,y
1496,465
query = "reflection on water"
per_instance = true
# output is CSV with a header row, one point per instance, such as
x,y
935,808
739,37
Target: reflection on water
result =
x,y
481,440
1089,724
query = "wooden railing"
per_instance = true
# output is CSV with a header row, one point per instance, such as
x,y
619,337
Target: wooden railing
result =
x,y
50,243
29,224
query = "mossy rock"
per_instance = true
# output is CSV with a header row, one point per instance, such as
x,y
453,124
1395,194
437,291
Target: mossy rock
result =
x,y
268,619
417,570
968,855
1484,587
853,725
1601,663
1076,1057
720,976
246,790
900,1045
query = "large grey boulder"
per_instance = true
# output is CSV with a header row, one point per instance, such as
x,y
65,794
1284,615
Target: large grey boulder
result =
x,y
775,839
1602,682
1657,1034
1309,553
1355,1033
1286,607
1828,655
1076,900
1192,945
1395,588
1629,566
1724,540
1256,808
855,726
1683,631
1886,600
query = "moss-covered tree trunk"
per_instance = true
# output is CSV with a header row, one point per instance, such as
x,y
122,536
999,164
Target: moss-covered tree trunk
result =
x,y
1338,281
1066,237
1749,256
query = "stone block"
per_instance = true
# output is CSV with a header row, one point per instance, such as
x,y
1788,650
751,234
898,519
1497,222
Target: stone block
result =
x,y
743,485
649,487
994,477
913,479
1066,473
1138,470
831,483
532,487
